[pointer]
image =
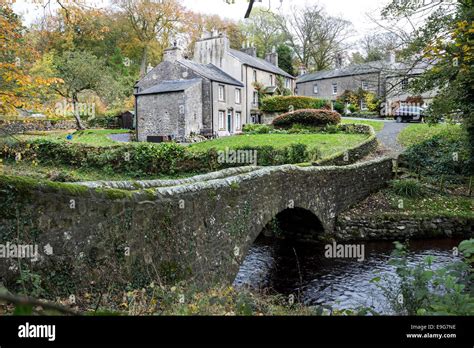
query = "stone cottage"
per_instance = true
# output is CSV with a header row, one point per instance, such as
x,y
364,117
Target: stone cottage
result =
x,y
211,95
387,79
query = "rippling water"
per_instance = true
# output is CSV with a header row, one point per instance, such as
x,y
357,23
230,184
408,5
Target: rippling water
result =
x,y
302,269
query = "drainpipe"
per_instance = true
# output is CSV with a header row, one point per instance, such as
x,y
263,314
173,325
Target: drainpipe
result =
x,y
212,107
247,116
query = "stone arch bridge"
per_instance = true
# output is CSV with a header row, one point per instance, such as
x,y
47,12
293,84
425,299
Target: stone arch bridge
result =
x,y
198,229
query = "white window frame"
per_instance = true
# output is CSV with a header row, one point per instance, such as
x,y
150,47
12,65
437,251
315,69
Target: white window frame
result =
x,y
238,96
365,85
221,120
221,92
334,90
255,97
288,83
315,89
363,105
238,120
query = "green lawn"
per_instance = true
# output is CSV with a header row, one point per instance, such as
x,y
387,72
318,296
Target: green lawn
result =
x,y
417,133
94,137
377,125
328,144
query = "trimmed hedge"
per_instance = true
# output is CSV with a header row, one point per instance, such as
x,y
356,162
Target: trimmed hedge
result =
x,y
283,104
307,117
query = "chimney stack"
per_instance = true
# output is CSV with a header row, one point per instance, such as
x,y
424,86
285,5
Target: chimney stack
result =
x,y
302,70
272,57
251,51
172,54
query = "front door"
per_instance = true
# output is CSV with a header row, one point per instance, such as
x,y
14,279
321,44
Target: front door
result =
x,y
229,122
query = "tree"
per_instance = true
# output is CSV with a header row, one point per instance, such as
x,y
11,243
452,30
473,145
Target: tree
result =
x,y
444,41
285,59
264,30
315,37
150,21
375,47
81,71
19,88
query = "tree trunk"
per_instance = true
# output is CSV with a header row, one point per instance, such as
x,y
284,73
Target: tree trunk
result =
x,y
79,124
143,65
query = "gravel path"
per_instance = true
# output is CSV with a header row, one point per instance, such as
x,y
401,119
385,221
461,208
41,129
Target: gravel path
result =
x,y
122,138
388,135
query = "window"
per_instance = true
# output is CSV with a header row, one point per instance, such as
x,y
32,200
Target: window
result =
x,y
365,85
363,105
315,88
272,80
288,83
334,88
238,95
221,120
255,98
238,121
221,93
404,84
255,76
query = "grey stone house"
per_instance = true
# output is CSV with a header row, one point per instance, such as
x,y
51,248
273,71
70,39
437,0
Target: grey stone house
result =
x,y
212,95
387,79
180,97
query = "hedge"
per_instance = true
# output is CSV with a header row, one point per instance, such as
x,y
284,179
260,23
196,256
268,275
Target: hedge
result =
x,y
307,117
145,158
283,104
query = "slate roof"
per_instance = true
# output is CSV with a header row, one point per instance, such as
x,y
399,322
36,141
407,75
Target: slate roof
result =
x,y
357,69
170,86
211,72
394,69
258,63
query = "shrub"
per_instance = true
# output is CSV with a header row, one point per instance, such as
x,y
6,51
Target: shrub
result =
x,y
256,128
308,117
407,188
283,104
339,107
443,154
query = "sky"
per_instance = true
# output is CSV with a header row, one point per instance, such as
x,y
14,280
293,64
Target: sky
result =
x,y
353,10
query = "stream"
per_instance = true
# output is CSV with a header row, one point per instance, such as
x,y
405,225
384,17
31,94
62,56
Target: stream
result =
x,y
301,269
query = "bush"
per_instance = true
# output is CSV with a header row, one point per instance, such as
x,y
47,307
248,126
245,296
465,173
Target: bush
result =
x,y
256,128
339,107
283,104
407,188
308,117
443,154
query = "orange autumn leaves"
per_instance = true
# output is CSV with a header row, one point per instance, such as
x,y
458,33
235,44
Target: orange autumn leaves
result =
x,y
19,88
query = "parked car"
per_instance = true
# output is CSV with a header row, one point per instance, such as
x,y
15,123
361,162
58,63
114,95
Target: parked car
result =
x,y
409,113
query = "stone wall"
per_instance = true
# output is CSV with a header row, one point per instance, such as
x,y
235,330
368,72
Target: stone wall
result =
x,y
200,231
401,227
18,127
356,153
